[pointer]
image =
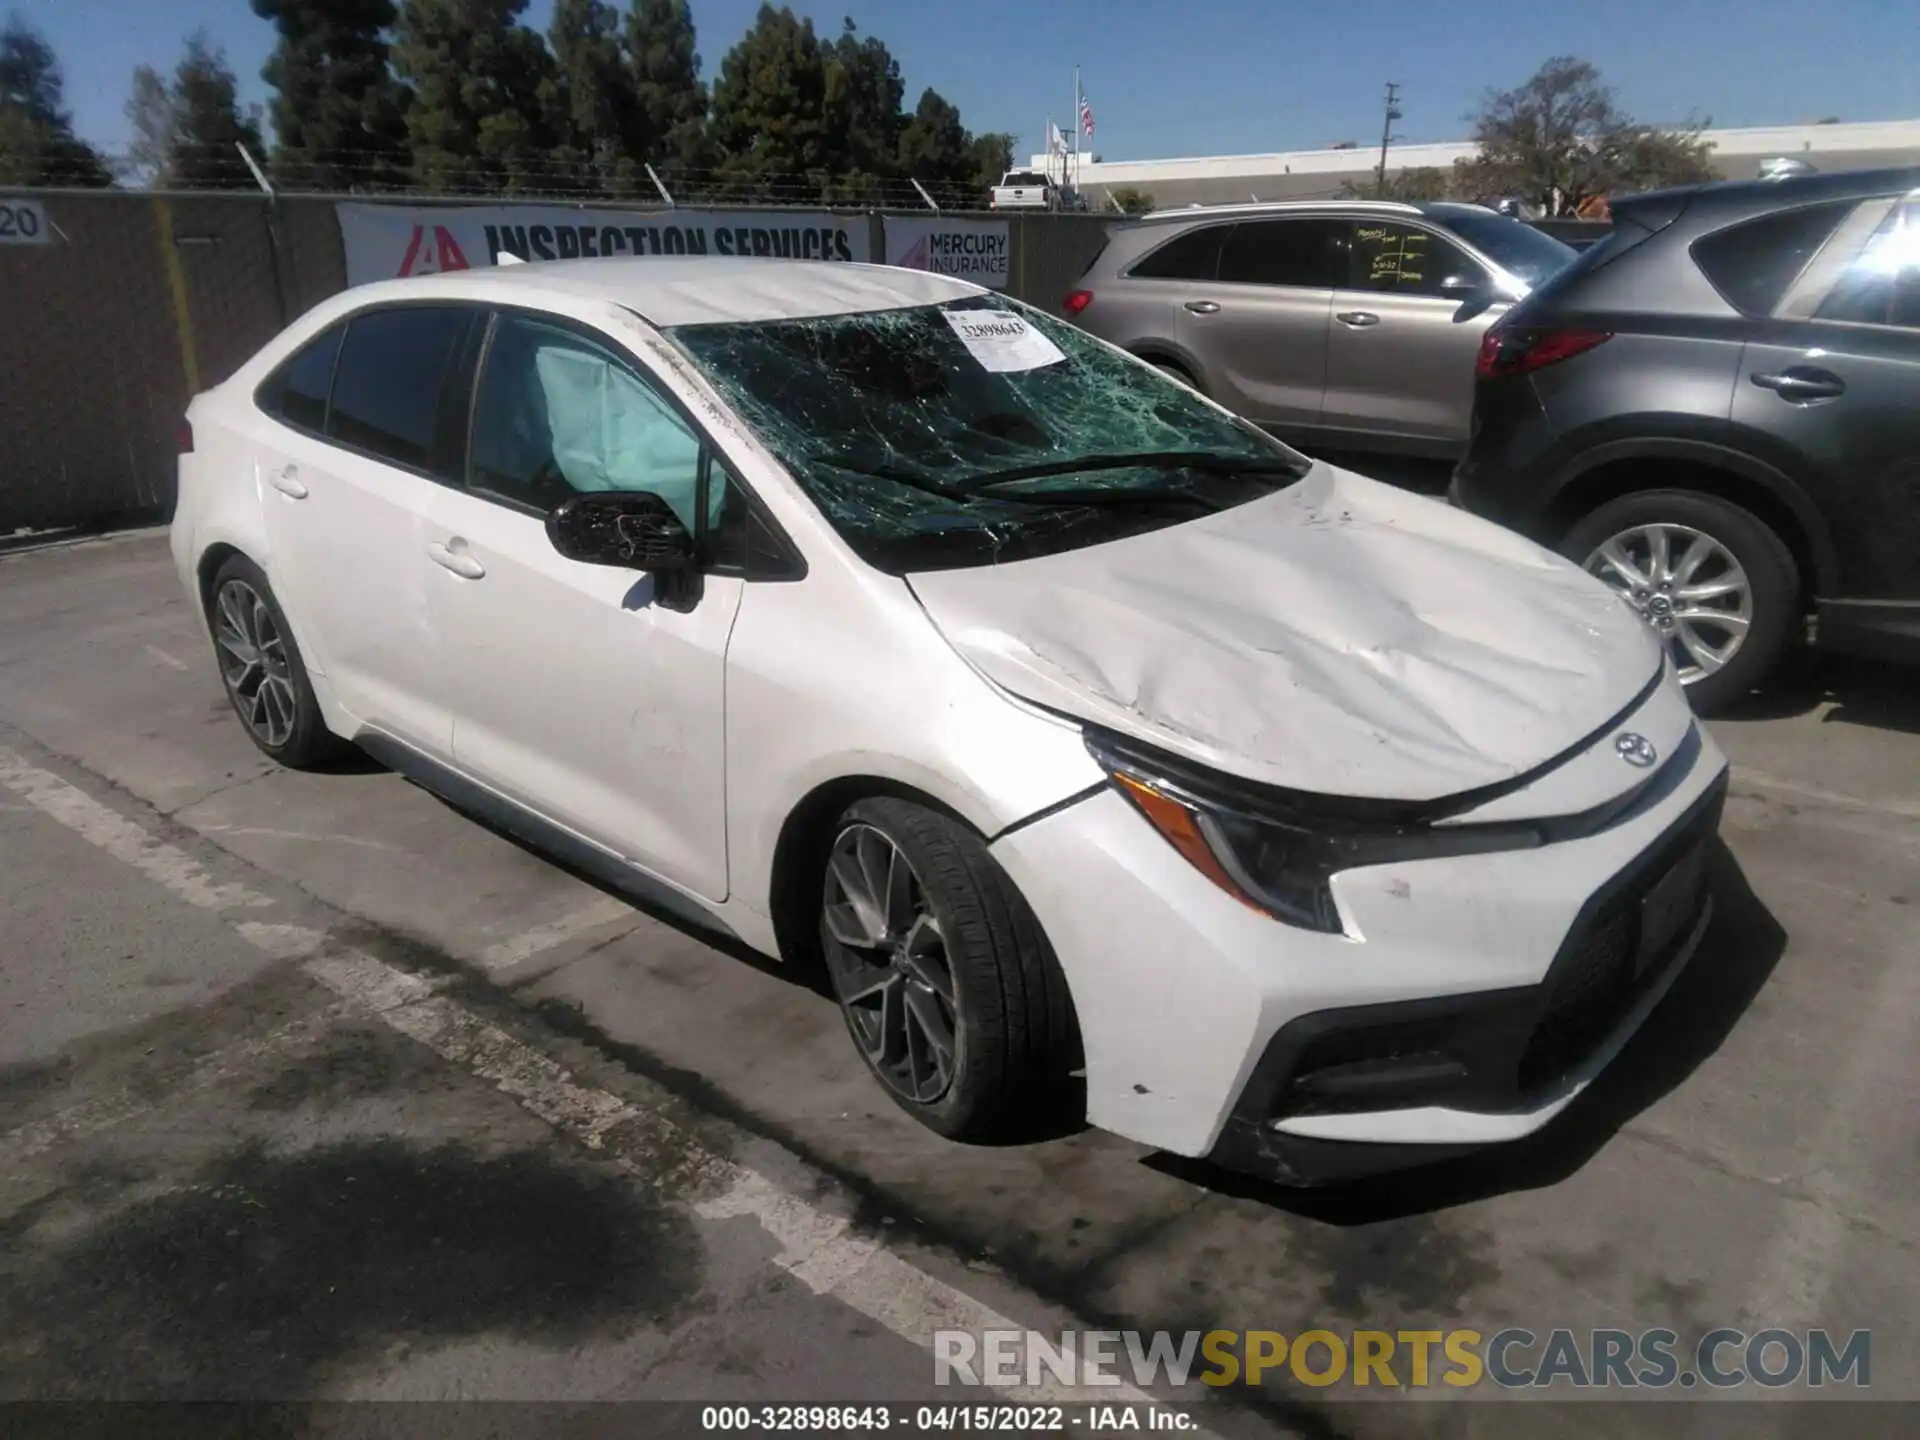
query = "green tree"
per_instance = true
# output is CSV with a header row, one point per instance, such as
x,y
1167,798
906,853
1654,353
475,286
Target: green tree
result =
x,y
594,103
338,114
770,119
484,90
936,150
188,132
672,103
864,94
1564,131
37,143
991,156
1130,200
149,111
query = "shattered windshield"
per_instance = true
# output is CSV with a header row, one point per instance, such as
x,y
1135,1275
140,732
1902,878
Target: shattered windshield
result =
x,y
980,431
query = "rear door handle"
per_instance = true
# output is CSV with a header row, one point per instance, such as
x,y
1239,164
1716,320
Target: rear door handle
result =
x,y
1203,307
1802,384
1357,319
453,556
288,482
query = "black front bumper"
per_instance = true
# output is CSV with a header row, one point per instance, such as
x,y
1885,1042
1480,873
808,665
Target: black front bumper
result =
x,y
1491,1051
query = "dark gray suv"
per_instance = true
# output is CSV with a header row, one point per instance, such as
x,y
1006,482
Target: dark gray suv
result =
x,y
1717,411
1349,324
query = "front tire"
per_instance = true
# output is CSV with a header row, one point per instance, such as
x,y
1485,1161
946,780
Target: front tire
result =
x,y
1715,583
947,984
1175,372
260,665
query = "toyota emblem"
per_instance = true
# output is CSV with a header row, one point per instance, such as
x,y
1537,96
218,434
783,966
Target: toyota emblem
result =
x,y
1636,750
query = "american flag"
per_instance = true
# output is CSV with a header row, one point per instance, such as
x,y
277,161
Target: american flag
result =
x,y
1086,116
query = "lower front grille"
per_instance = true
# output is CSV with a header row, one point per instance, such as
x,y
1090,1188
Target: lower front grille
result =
x,y
1617,950
1587,998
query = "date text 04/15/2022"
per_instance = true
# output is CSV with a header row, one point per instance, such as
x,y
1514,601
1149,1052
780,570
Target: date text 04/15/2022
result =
x,y
943,1419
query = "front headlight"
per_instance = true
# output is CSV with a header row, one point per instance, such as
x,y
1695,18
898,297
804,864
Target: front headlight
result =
x,y
1278,852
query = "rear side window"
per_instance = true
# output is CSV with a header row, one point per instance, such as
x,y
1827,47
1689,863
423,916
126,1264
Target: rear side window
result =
x,y
392,373
1882,285
1192,256
1752,264
1281,252
297,391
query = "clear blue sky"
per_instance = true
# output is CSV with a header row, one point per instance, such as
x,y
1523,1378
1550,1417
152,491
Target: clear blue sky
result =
x,y
1210,77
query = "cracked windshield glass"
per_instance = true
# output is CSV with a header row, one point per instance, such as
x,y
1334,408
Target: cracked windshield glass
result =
x,y
980,431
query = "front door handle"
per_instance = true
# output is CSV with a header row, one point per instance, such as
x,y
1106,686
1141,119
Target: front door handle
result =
x,y
1203,307
1801,384
1357,319
288,482
453,556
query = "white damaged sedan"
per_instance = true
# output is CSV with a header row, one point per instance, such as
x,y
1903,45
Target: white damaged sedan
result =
x,y
1074,724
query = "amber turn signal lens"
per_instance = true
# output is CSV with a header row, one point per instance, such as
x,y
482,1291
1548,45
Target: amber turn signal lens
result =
x,y
1177,823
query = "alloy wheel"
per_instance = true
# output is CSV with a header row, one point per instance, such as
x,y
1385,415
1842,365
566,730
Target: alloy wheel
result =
x,y
889,964
1687,586
253,662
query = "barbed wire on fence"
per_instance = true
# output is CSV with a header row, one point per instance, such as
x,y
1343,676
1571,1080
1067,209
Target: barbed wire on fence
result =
x,y
574,179
537,176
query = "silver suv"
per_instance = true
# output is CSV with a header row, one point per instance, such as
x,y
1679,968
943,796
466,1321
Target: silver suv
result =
x,y
1353,325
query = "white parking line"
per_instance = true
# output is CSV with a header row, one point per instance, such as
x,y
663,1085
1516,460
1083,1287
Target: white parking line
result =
x,y
121,838
591,916
815,1236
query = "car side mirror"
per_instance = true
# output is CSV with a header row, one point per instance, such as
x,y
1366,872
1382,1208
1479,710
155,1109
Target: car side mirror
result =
x,y
1474,294
631,529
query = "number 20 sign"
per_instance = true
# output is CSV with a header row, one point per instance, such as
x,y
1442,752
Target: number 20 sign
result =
x,y
23,222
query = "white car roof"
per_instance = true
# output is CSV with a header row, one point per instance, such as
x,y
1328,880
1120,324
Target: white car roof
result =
x,y
690,290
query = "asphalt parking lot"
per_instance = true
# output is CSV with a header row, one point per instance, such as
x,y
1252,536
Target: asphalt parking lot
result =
x,y
592,1155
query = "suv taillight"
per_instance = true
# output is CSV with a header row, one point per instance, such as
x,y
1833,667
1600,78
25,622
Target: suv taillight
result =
x,y
1076,301
185,437
1520,351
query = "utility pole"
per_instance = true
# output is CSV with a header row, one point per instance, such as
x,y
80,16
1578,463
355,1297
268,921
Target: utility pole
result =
x,y
1386,133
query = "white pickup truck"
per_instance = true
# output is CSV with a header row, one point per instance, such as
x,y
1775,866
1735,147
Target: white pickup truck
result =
x,y
1025,190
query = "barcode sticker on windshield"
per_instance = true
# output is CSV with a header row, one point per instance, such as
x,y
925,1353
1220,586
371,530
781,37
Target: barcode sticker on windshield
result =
x,y
1002,342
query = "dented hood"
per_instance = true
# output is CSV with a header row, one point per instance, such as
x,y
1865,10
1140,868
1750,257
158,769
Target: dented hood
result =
x,y
1340,637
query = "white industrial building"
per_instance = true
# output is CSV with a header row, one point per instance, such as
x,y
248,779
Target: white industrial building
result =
x,y
1311,174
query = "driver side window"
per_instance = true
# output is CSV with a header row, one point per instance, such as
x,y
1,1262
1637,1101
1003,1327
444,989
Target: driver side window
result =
x,y
557,415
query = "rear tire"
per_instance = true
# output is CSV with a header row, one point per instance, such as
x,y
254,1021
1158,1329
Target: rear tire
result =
x,y
946,981
261,667
1731,589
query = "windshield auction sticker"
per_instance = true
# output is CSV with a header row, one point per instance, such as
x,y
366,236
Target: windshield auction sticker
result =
x,y
1002,342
